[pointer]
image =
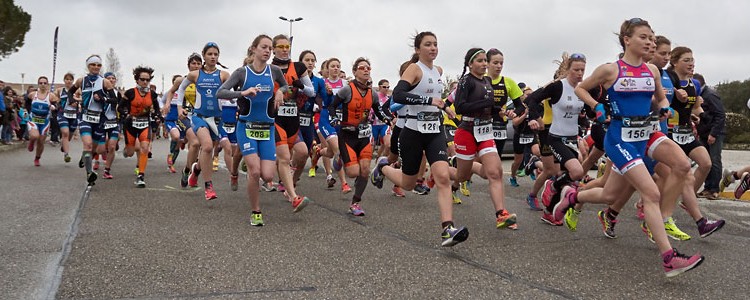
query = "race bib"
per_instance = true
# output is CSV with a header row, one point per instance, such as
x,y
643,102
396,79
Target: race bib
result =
x,y
483,130
38,120
70,113
683,135
229,127
339,114
288,110
364,131
140,122
92,117
656,126
305,119
258,131
428,122
499,131
109,124
526,138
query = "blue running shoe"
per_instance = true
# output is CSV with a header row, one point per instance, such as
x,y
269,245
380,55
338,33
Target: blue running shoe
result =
x,y
513,182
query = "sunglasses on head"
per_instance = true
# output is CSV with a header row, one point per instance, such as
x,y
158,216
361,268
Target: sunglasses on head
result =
x,y
194,55
578,56
211,44
636,21
284,47
364,68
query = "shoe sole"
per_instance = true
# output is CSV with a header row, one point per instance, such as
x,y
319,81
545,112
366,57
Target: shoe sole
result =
x,y
567,224
677,238
460,237
676,272
512,220
301,205
550,222
604,228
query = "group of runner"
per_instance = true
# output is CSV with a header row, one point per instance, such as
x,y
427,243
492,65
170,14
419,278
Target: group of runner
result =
x,y
273,114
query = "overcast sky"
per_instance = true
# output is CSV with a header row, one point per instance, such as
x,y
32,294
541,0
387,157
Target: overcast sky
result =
x,y
532,34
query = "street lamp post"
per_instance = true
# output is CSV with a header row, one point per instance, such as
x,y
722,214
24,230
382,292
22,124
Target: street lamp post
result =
x,y
290,20
23,88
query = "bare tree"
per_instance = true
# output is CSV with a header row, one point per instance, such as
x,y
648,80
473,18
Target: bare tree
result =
x,y
113,65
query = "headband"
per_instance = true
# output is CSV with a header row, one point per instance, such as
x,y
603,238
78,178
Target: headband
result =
x,y
93,60
475,54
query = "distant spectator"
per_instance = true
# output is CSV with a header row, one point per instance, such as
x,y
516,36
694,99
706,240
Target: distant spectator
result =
x,y
711,132
7,116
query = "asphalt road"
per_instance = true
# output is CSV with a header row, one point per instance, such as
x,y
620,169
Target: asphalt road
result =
x,y
165,242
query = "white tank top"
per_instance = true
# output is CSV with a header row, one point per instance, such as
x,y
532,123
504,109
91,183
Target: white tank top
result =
x,y
565,112
430,86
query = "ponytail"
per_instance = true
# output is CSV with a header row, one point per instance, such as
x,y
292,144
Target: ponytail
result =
x,y
414,58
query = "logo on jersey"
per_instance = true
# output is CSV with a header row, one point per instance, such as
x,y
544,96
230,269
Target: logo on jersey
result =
x,y
263,88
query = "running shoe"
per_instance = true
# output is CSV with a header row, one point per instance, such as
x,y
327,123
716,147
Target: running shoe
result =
x,y
91,178
193,178
521,173
107,175
571,219
233,182
216,163
36,162
464,188
256,219
376,174
505,219
96,165
171,169
600,169
679,263
430,182
140,182
533,202
280,187
398,192
727,179
744,184
548,192
337,164
210,193
533,176
710,227
513,182
184,179
299,203
311,172
330,181
150,155
456,199
80,163
31,146
674,232
531,166
345,188
268,186
66,158
452,235
608,226
639,209
356,210
567,199
243,166
647,231
452,161
420,188
547,218
169,160
136,171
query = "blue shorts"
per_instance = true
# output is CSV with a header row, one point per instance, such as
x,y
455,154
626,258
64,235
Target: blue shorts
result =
x,y
228,131
265,149
307,135
95,131
41,127
378,133
624,155
112,133
71,123
199,122
172,124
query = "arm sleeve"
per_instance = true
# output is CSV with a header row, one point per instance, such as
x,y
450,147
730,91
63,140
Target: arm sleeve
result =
x,y
401,95
278,77
181,90
156,112
226,90
463,104
124,107
534,101
379,113
309,90
343,96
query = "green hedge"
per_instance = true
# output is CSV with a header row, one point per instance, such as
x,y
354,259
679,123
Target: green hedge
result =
x,y
738,129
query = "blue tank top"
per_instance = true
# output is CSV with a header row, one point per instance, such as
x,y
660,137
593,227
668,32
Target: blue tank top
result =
x,y
206,85
228,111
40,107
260,103
92,84
630,100
666,83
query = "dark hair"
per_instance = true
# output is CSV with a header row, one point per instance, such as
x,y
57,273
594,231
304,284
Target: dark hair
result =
x,y
403,67
628,27
194,57
418,42
8,89
68,75
175,77
306,52
492,52
254,44
662,40
675,56
42,77
381,81
469,57
278,38
359,60
700,79
142,69
210,45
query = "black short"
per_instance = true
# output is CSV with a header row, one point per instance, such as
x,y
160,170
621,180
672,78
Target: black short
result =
x,y
563,148
689,147
450,133
500,144
542,137
597,134
396,132
412,144
519,148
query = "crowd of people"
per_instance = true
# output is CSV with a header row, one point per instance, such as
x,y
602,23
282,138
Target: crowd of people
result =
x,y
273,115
